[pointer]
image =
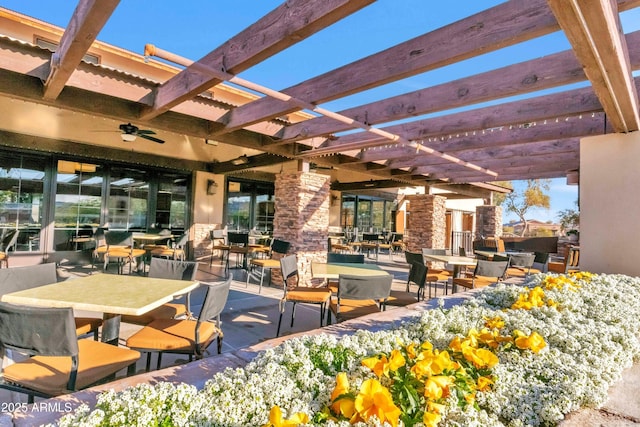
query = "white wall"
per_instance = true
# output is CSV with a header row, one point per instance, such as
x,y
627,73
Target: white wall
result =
x,y
610,203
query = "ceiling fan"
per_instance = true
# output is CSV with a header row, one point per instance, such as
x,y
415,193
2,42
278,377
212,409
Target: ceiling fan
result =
x,y
130,132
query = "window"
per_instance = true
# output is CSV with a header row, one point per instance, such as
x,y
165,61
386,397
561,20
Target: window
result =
x,y
128,196
78,201
21,198
250,204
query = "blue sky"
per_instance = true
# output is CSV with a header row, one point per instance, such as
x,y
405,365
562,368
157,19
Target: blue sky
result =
x,y
193,28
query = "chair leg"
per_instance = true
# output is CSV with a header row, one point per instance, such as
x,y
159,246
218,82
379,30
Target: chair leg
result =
x,y
279,323
219,339
159,360
322,308
148,367
293,313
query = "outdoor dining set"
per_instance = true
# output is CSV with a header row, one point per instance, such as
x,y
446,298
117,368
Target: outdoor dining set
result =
x,y
53,352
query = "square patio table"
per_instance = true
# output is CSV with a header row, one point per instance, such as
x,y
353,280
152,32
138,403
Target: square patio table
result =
x,y
110,294
332,271
456,261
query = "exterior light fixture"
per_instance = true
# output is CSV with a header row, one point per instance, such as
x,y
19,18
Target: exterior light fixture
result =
x,y
212,187
242,160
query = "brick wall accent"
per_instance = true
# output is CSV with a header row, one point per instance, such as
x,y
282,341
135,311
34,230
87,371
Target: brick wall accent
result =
x,y
202,240
302,218
488,221
426,226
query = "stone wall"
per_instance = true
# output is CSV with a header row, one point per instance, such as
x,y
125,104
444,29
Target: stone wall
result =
x,y
201,240
488,221
426,226
302,218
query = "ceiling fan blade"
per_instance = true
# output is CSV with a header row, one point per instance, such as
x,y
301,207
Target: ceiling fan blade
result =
x,y
145,132
150,138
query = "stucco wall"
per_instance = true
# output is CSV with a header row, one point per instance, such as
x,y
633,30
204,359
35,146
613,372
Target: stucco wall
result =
x,y
610,203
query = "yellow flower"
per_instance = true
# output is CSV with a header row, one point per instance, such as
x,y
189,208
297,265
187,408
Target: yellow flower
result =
x,y
375,399
437,387
534,342
378,364
276,419
494,323
433,364
484,383
480,357
396,360
431,419
342,402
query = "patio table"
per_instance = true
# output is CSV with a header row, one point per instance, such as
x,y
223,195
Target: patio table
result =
x,y
456,261
332,271
112,295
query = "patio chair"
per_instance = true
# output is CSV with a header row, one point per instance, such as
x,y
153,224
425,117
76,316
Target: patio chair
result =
x,y
570,263
370,242
58,362
161,268
443,274
176,250
358,296
121,249
540,263
417,276
520,264
486,273
279,248
298,294
20,278
219,244
187,336
239,245
339,258
8,243
397,243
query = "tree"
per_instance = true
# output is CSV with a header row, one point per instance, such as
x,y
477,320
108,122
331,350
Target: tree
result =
x,y
569,219
533,195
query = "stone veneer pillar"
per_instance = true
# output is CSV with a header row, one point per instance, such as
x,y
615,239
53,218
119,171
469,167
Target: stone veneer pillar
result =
x,y
302,218
427,222
488,221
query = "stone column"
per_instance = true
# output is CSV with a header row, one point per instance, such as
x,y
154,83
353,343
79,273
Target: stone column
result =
x,y
302,201
427,222
488,221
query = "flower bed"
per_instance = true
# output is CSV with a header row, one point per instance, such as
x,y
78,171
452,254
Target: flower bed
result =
x,y
511,356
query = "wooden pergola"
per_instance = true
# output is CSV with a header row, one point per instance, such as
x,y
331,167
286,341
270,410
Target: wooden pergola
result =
x,y
448,150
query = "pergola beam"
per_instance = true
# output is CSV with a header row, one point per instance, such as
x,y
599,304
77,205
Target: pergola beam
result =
x,y
594,31
503,25
86,22
283,27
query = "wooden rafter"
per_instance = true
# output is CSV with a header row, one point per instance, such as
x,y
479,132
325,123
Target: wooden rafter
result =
x,y
88,19
503,25
593,28
543,73
286,25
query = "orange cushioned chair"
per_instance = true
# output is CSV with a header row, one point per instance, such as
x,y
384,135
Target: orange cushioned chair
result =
x,y
570,264
186,336
360,295
58,362
486,273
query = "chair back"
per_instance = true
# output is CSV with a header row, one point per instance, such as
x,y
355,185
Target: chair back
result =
x,y
541,258
9,240
462,251
289,268
573,259
412,257
181,242
364,288
161,268
119,238
396,237
497,257
333,257
430,251
370,237
523,260
495,269
280,246
418,275
38,330
238,239
20,278
215,299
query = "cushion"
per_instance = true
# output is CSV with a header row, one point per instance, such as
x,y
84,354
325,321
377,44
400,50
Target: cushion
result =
x,y
402,298
350,309
50,375
165,311
307,294
172,335
85,325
